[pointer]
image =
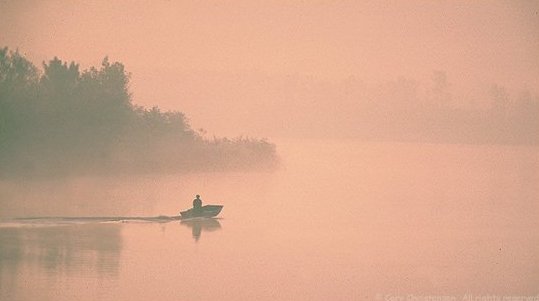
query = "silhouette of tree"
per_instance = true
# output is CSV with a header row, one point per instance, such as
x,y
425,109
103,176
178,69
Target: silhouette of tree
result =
x,y
440,89
65,120
18,91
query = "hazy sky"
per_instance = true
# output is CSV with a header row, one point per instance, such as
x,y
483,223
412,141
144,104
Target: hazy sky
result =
x,y
161,42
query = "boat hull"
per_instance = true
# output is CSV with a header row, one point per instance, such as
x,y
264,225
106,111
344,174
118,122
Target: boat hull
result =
x,y
205,211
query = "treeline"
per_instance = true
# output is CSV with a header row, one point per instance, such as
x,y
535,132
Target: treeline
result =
x,y
402,112
410,111
434,110
61,120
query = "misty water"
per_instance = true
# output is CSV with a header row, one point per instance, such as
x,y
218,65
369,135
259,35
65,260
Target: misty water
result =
x,y
340,220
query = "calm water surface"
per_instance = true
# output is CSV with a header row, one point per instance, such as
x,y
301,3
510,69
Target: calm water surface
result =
x,y
339,221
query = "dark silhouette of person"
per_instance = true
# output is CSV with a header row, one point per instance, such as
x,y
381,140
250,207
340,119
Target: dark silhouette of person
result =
x,y
197,203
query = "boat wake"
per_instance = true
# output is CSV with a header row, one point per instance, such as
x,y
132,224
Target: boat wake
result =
x,y
55,221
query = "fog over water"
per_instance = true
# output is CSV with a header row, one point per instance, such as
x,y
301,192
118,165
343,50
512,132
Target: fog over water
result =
x,y
362,150
342,220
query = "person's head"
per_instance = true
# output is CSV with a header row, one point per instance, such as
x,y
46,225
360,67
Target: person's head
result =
x,y
197,196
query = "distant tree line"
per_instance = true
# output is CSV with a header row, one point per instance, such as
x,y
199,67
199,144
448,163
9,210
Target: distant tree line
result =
x,y
400,112
61,120
403,109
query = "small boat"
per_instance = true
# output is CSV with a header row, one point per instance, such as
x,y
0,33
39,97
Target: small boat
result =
x,y
205,211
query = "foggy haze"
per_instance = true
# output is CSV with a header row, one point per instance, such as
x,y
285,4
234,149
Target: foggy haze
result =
x,y
360,150
245,55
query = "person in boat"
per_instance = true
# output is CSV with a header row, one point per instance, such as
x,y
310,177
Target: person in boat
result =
x,y
197,203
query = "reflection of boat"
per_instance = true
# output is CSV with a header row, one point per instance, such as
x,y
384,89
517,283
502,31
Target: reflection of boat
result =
x,y
200,224
204,211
